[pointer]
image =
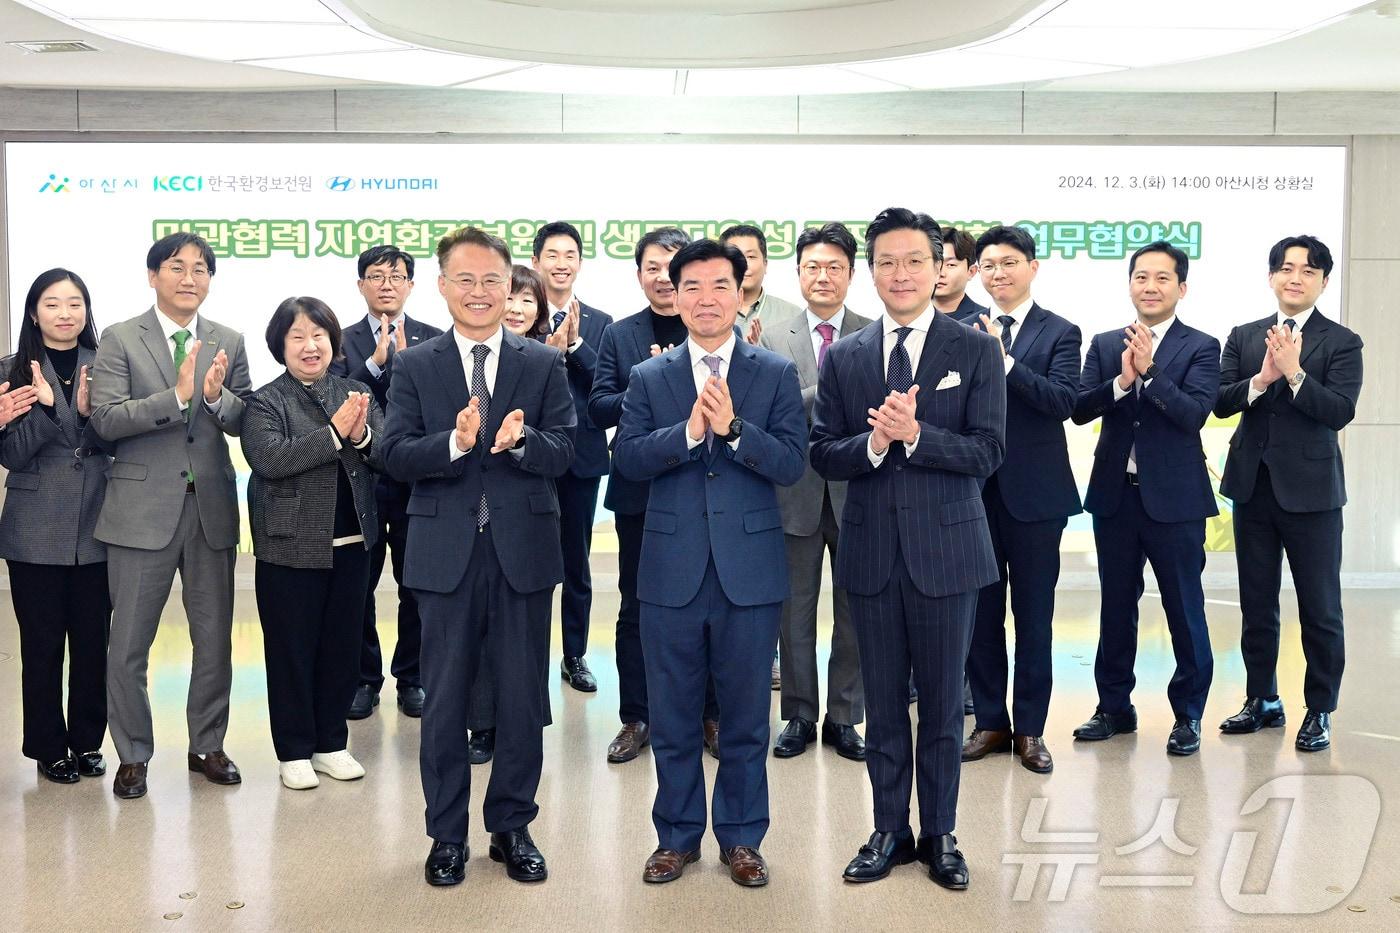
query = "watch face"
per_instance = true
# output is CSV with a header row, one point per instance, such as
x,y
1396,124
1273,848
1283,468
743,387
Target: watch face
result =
x,y
735,427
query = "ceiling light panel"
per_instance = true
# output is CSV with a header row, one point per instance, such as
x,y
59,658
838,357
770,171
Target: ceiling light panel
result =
x,y
1205,14
581,79
246,11
417,67
781,82
235,41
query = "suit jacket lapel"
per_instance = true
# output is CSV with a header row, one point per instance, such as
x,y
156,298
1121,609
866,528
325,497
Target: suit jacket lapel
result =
x,y
645,335
1316,334
1036,319
677,373
800,349
448,363
508,370
872,368
361,338
742,369
1170,346
850,323
67,417
154,339
942,337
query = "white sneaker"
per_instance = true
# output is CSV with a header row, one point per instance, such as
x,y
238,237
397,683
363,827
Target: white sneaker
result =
x,y
297,775
340,765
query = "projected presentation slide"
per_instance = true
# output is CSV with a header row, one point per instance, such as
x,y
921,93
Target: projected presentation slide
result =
x,y
290,219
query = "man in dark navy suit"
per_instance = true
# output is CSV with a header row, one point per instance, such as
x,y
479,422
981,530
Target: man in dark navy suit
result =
x,y
576,330
1153,384
959,267
1294,378
1029,499
480,423
626,342
713,425
369,348
911,411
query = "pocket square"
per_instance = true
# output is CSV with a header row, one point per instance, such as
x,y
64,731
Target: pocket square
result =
x,y
953,378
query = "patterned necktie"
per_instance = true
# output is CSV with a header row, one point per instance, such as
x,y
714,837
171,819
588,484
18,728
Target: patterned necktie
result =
x,y
899,375
558,319
181,338
483,406
713,363
828,332
1007,322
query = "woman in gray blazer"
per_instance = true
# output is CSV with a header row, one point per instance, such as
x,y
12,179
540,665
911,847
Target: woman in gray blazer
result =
x,y
311,439
53,494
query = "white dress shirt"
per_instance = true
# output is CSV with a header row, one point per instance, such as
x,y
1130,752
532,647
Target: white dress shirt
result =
x,y
914,346
170,328
1158,332
465,347
700,372
1019,313
836,321
1299,321
396,322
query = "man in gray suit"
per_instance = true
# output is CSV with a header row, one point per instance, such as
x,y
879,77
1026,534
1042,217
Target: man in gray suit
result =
x,y
171,502
811,512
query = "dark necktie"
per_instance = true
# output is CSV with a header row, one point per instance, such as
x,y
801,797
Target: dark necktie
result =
x,y
1290,324
712,362
1007,322
483,406
899,375
558,319
828,333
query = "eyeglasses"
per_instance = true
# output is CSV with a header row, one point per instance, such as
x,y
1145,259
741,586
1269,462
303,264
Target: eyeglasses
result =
x,y
833,269
1006,265
915,264
377,278
178,270
468,282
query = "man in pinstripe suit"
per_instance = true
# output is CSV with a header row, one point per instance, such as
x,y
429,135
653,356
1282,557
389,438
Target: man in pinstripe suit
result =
x,y
911,410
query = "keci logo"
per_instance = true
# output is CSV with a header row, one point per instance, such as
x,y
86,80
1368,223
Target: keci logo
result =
x,y
178,183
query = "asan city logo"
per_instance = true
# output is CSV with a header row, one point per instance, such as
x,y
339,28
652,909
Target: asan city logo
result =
x,y
54,185
177,183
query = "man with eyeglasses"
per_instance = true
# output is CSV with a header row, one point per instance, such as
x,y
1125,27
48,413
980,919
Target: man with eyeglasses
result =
x,y
811,512
910,411
959,267
480,423
172,503
370,346
1028,502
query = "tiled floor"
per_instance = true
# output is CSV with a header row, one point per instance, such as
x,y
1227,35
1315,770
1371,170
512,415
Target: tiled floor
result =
x,y
1249,834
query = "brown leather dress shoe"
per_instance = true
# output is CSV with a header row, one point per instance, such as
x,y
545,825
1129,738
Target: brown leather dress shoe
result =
x,y
216,766
746,866
1033,754
712,738
984,742
631,739
130,781
665,865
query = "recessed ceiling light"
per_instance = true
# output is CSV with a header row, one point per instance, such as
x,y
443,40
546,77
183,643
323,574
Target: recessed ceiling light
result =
x,y
44,47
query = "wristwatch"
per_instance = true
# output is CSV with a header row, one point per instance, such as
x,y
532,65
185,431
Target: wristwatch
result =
x,y
1150,373
736,428
1298,377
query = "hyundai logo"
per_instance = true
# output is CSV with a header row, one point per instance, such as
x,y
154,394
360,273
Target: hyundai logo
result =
x,y
340,183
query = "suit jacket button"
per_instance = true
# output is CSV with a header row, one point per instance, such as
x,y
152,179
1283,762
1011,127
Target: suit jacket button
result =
x,y
78,465
352,473
184,474
711,475
704,514
1260,445
1137,424
189,440
898,467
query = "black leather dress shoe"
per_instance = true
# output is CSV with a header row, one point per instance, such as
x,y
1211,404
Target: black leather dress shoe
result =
x,y
62,771
795,737
130,781
845,739
1258,713
946,865
1315,733
1106,725
1185,738
91,764
366,699
482,746
446,864
576,672
411,701
880,854
517,850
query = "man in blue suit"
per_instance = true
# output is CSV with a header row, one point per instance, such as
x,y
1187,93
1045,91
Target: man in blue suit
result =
x,y
480,422
1029,499
713,425
369,348
1153,384
627,342
911,410
576,330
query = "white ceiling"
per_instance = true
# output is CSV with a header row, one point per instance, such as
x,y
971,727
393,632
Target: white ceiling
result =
x,y
1354,53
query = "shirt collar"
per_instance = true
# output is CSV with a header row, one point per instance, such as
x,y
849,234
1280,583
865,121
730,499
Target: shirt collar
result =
x,y
1019,312
698,353
756,307
170,328
921,323
395,321
1160,330
465,344
555,309
836,320
1300,319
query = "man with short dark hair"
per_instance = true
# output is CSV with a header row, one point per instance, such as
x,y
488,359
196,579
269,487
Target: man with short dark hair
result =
x,y
811,510
959,267
172,503
656,329
758,305
576,330
1293,378
1153,384
911,412
480,422
370,345
714,425
1028,501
